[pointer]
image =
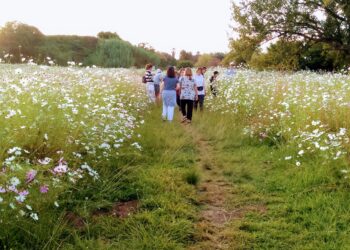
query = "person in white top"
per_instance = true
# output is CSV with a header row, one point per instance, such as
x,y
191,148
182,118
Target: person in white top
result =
x,y
200,83
231,71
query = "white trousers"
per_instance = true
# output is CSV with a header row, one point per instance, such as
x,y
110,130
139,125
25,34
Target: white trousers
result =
x,y
168,112
151,92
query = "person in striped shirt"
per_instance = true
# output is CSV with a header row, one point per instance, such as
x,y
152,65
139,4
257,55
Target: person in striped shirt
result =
x,y
150,83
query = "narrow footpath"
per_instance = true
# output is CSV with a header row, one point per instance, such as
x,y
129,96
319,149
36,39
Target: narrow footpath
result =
x,y
214,191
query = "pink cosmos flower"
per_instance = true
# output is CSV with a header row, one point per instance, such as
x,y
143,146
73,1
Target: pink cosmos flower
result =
x,y
61,168
31,176
12,189
24,192
44,189
263,135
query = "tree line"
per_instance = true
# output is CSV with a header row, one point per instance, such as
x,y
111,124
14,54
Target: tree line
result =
x,y
20,42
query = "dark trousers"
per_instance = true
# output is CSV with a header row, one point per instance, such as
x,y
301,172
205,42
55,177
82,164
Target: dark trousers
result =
x,y
200,101
187,108
178,101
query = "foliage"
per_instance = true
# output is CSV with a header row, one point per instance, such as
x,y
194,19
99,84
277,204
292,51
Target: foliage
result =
x,y
242,50
143,56
282,55
108,35
184,64
166,60
325,23
296,55
20,43
20,40
64,49
320,21
188,56
210,60
113,53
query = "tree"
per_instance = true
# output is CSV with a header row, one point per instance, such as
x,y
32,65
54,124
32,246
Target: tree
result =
x,y
324,21
184,64
146,46
283,55
113,53
242,50
210,60
188,56
296,55
166,59
20,40
108,35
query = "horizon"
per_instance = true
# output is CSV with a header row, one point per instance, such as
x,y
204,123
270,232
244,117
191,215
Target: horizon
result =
x,y
209,32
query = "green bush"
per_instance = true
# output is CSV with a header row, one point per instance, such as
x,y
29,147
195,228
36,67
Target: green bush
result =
x,y
143,56
184,64
67,48
112,53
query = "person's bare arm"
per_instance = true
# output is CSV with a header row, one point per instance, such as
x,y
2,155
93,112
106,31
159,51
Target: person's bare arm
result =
x,y
205,91
161,86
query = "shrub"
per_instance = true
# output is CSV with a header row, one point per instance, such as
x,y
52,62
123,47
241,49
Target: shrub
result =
x,y
185,64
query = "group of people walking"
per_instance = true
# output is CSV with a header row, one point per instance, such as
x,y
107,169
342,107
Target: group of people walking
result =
x,y
183,88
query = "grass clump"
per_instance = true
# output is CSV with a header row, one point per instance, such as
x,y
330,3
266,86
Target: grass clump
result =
x,y
192,177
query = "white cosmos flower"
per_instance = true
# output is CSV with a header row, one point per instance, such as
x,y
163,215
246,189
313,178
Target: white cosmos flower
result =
x,y
45,161
34,216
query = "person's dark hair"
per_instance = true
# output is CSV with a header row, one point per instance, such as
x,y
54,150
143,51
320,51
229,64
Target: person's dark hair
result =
x,y
149,66
171,72
216,72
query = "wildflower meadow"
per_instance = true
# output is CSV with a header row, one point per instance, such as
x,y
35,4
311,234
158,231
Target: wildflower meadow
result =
x,y
87,162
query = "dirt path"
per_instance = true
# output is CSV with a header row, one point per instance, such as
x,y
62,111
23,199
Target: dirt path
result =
x,y
214,191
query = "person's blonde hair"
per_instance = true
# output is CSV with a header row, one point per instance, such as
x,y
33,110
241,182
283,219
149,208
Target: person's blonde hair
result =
x,y
188,72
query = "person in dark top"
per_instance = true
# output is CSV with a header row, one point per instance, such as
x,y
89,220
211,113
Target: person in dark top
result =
x,y
204,70
179,75
213,83
157,79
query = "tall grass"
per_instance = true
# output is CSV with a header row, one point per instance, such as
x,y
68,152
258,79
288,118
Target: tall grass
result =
x,y
283,142
98,127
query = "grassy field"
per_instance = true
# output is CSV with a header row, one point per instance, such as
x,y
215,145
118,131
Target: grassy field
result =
x,y
87,163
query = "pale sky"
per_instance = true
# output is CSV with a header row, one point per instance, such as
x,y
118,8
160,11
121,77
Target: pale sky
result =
x,y
193,25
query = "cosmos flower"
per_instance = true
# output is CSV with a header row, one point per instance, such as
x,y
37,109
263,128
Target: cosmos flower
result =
x,y
44,189
30,176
